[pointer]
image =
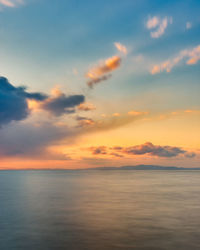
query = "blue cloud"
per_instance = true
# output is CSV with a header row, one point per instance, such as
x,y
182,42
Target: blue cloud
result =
x,y
13,101
63,104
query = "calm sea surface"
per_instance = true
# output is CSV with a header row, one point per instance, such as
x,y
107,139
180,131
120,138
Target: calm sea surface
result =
x,y
99,210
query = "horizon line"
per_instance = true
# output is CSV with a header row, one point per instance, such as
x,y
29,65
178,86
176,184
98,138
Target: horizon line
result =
x,y
124,167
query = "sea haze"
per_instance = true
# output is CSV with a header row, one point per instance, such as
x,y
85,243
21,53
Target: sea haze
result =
x,y
99,210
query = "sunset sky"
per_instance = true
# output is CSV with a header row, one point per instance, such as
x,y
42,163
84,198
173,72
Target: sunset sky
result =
x,y
99,83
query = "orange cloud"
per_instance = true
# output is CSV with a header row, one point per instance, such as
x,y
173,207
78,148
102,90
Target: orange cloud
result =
x,y
109,65
84,121
136,113
99,72
87,122
33,105
192,111
86,107
193,60
116,114
56,92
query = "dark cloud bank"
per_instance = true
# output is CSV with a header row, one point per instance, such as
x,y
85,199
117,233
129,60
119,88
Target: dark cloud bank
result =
x,y
143,149
13,101
14,107
26,138
63,104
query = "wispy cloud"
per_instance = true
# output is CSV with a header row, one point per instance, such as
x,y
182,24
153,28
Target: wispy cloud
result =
x,y
109,65
102,71
121,48
84,121
98,150
94,81
158,25
188,25
116,120
86,106
98,73
136,113
189,56
32,140
11,3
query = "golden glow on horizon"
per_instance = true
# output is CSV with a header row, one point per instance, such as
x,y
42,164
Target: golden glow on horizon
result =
x,y
161,129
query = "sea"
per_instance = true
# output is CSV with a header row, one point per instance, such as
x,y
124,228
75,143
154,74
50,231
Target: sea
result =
x,y
99,209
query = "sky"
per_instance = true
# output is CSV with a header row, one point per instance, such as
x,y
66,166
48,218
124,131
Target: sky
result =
x,y
87,84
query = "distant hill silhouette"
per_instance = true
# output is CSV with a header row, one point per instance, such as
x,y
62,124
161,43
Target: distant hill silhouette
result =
x,y
143,167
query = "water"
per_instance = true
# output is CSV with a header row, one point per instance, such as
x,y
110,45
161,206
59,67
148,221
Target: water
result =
x,y
99,210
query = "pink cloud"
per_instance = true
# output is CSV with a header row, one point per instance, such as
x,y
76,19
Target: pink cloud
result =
x,y
158,25
190,56
11,3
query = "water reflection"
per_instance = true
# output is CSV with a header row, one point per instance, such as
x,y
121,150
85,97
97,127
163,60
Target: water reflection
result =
x,y
99,210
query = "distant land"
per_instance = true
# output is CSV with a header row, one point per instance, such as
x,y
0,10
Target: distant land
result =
x,y
143,167
135,167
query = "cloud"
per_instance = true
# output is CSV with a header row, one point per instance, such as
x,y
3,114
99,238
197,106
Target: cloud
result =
x,y
16,103
29,139
98,73
116,114
98,150
190,154
152,22
94,81
154,150
13,101
136,113
33,136
189,56
121,48
158,25
192,111
11,3
62,104
86,107
188,25
116,155
144,149
101,72
85,121
103,150
113,122
109,65
108,122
